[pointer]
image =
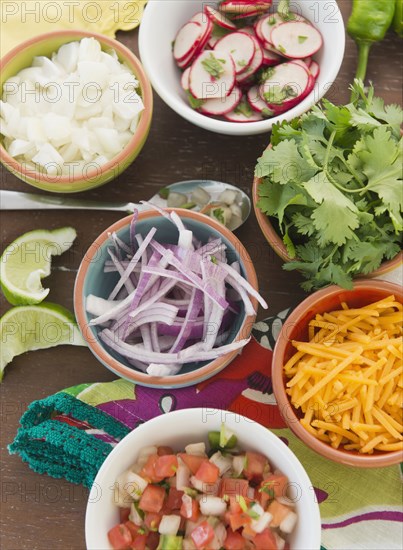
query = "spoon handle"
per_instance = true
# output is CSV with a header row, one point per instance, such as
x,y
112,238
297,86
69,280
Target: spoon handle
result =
x,y
14,200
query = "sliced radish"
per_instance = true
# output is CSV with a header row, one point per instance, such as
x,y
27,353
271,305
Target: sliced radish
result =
x,y
213,41
240,117
233,6
257,103
254,65
187,40
204,85
301,63
244,15
185,79
240,46
314,69
265,24
308,61
296,39
221,106
270,58
207,28
219,19
287,85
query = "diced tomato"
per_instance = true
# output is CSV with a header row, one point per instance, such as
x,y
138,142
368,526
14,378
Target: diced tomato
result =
x,y
237,520
265,540
190,513
234,541
148,470
274,486
133,528
161,451
202,535
208,472
234,487
255,464
152,520
124,514
234,505
166,466
120,537
278,511
152,499
193,462
174,501
153,540
139,542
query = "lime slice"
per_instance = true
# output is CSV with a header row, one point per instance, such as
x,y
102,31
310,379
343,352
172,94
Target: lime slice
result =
x,y
29,328
27,260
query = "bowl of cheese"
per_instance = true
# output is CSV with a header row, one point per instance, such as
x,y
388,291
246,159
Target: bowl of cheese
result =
x,y
337,373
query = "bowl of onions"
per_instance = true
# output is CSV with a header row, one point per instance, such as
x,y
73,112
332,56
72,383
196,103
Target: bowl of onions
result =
x,y
166,298
75,110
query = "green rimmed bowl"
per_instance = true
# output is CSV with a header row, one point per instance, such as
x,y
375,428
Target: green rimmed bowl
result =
x,y
21,57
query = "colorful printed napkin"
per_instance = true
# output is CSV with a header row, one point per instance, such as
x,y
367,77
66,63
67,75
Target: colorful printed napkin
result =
x,y
23,20
69,434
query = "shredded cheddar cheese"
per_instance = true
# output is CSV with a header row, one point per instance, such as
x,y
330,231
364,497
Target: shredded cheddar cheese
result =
x,y
348,379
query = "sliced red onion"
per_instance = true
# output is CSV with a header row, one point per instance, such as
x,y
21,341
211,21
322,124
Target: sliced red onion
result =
x,y
133,262
120,269
195,305
132,231
235,276
155,369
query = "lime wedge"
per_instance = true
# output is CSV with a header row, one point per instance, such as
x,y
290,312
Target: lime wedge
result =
x,y
27,260
28,328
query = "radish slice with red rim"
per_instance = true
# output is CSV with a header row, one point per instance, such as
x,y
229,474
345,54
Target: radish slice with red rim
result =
x,y
219,19
296,39
187,40
314,69
301,63
270,58
240,117
257,103
185,79
212,75
255,64
286,86
244,15
232,6
308,61
221,106
240,46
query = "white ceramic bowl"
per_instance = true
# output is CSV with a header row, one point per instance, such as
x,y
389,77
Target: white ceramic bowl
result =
x,y
179,428
163,18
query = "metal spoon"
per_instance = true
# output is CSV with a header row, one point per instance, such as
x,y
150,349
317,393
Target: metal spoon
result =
x,y
14,200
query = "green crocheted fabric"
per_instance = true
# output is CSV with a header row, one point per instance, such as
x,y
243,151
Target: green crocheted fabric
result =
x,y
57,437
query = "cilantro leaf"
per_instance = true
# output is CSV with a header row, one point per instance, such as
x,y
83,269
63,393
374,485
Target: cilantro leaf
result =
x,y
275,198
382,161
244,108
193,101
333,206
284,163
214,66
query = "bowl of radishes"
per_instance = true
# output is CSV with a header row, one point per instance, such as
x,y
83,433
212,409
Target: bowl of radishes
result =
x,y
75,110
166,298
199,479
238,66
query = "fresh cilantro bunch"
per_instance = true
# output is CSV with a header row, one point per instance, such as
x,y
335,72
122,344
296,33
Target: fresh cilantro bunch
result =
x,y
333,183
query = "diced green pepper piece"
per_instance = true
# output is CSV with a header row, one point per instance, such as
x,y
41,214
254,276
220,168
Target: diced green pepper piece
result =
x,y
170,542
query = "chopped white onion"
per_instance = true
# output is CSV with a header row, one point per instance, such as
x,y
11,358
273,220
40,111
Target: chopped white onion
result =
x,y
198,449
71,113
289,522
223,463
169,525
212,506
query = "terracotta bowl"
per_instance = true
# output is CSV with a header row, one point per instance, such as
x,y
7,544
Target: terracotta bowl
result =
x,y
91,279
296,328
45,44
276,242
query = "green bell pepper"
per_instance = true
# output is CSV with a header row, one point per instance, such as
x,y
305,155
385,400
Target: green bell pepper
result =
x,y
398,18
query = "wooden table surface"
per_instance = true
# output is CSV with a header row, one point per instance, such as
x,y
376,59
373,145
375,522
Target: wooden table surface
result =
x,y
39,512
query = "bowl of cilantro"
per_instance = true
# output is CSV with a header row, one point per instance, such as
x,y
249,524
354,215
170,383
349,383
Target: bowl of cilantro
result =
x,y
327,191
